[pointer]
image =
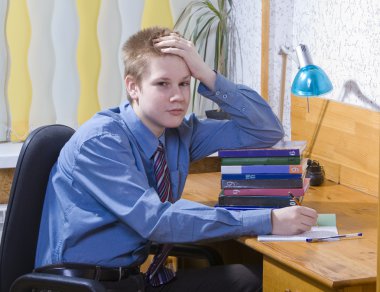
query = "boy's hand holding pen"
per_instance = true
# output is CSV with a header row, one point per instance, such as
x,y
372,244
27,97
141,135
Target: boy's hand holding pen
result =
x,y
293,220
298,202
327,238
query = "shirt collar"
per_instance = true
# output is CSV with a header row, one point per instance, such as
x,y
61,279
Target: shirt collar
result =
x,y
144,137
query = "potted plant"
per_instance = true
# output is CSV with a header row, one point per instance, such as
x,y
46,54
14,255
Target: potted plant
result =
x,y
211,28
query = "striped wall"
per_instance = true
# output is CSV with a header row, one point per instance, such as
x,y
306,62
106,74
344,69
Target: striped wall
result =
x,y
4,116
60,60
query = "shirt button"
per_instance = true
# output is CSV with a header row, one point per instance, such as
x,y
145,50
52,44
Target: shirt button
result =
x,y
224,96
217,93
243,109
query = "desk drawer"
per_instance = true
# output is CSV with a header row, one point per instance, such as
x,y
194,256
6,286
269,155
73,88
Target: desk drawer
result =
x,y
278,277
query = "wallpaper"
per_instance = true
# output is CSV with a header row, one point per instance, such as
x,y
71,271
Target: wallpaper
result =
x,y
60,60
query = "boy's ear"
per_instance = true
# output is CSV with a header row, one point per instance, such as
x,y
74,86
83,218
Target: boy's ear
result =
x,y
131,86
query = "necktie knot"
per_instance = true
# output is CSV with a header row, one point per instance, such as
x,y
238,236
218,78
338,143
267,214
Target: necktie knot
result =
x,y
160,147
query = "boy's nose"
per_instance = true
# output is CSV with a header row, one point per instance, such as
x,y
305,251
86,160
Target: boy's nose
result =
x,y
177,95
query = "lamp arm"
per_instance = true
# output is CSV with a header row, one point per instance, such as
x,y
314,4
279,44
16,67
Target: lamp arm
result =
x,y
288,51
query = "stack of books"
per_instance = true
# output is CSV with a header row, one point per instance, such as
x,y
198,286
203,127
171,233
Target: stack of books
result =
x,y
263,177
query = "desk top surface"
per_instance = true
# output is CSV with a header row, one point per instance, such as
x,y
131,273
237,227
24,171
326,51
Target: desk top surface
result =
x,y
335,264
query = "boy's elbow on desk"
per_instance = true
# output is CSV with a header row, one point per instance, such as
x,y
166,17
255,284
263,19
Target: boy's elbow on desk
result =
x,y
271,137
271,134
278,136
279,133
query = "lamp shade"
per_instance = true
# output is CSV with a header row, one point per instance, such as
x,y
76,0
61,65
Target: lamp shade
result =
x,y
311,80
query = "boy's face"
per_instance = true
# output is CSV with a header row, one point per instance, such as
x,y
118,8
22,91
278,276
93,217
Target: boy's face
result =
x,y
162,99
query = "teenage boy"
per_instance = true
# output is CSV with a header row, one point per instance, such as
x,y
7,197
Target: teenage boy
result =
x,y
104,205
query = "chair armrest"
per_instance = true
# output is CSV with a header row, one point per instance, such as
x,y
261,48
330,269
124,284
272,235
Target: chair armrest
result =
x,y
46,282
193,251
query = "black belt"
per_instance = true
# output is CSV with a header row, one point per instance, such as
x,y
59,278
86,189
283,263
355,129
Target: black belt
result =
x,y
89,271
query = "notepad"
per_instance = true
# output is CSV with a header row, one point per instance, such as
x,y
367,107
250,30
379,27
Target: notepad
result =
x,y
326,227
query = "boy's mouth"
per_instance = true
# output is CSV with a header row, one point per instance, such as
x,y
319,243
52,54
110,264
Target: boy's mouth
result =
x,y
176,111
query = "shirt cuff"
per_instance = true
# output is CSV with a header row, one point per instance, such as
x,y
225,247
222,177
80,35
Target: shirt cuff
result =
x,y
222,87
257,222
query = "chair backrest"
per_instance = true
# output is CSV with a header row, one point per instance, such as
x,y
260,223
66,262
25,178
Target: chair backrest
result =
x,y
20,233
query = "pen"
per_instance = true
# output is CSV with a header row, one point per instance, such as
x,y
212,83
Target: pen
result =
x,y
295,199
349,235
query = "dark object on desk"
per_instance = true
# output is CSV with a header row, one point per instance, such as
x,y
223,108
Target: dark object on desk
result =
x,y
19,239
217,115
315,172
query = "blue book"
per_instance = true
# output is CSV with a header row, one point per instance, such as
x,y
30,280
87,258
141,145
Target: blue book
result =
x,y
258,176
241,169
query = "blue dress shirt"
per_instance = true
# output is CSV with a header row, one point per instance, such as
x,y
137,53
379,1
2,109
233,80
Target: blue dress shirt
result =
x,y
101,206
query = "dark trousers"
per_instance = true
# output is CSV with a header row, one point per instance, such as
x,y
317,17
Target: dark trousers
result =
x,y
231,278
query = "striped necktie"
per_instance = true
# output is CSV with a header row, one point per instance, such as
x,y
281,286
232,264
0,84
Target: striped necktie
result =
x,y
161,172
157,273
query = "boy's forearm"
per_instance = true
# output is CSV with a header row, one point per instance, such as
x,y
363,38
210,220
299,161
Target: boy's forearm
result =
x,y
253,118
208,78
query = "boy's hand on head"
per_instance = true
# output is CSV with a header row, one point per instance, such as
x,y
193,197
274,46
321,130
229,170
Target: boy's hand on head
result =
x,y
176,45
293,220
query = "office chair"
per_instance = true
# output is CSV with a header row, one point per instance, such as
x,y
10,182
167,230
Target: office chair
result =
x,y
20,233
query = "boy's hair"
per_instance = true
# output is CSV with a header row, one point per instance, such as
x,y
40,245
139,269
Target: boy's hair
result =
x,y
138,49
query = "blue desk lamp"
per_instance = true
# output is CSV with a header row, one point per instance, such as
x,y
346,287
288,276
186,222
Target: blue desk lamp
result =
x,y
310,80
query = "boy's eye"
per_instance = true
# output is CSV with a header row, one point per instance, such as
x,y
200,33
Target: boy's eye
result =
x,y
162,83
186,83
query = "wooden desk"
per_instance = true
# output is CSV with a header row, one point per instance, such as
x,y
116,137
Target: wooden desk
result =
x,y
346,265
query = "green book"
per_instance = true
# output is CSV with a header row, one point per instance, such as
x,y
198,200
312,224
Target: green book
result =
x,y
272,160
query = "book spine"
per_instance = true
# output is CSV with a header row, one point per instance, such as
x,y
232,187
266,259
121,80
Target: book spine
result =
x,y
240,169
261,160
241,208
264,192
258,176
298,192
256,201
258,152
262,183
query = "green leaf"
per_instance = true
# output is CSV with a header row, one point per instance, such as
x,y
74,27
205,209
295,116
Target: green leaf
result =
x,y
206,25
188,22
213,9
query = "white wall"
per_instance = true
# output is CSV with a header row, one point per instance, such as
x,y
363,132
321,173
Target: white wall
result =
x,y
248,23
343,37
